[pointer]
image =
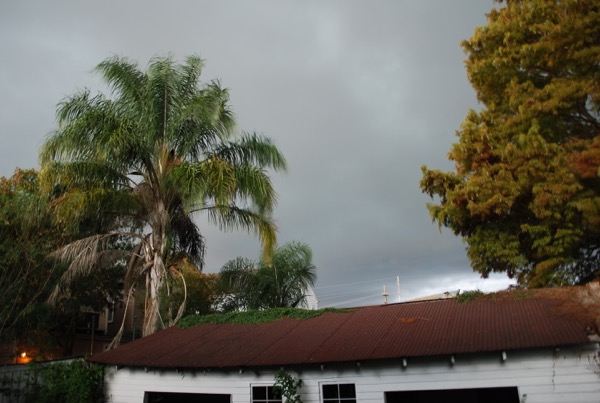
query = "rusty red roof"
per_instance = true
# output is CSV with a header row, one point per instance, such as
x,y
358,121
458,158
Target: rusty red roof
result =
x,y
429,328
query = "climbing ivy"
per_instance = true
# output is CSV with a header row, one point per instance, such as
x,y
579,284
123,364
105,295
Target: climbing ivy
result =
x,y
468,296
256,316
289,386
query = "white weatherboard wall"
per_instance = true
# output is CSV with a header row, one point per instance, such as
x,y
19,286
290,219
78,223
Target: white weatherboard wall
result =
x,y
542,376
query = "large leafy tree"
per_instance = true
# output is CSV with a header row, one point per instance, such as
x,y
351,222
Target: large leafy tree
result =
x,y
148,156
525,193
28,236
283,281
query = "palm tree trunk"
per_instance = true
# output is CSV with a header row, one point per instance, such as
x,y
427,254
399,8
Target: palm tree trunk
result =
x,y
154,282
156,274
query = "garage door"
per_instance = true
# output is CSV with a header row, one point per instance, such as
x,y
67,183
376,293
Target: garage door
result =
x,y
481,395
167,397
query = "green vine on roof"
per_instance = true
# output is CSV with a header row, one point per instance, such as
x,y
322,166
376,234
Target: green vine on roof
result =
x,y
256,316
468,296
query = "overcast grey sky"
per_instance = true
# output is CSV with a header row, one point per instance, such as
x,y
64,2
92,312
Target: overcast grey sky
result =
x,y
357,95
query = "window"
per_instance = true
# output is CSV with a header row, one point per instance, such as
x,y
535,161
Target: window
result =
x,y
266,394
340,393
87,323
110,310
110,314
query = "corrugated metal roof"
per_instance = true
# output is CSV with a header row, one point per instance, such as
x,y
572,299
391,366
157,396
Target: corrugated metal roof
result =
x,y
417,329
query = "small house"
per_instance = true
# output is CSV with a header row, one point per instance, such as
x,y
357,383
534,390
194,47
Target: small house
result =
x,y
509,347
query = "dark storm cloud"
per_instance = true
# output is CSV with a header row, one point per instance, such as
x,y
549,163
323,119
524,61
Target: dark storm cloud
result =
x,y
357,94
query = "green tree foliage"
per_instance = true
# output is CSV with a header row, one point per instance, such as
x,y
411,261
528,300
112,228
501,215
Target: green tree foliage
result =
x,y
28,236
147,157
525,193
277,283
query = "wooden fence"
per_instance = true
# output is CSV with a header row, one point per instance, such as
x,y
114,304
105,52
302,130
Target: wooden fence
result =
x,y
16,381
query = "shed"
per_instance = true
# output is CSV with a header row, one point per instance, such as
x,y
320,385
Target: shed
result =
x,y
517,346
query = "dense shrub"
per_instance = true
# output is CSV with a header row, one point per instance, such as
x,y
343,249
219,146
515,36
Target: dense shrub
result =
x,y
69,382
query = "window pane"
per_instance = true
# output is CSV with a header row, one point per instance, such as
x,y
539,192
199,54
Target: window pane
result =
x,y
347,390
341,393
330,391
259,392
266,394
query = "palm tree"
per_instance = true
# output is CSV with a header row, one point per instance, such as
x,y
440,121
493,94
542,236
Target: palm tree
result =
x,y
158,150
280,282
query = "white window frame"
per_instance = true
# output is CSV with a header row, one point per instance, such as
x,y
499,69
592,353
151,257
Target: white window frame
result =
x,y
266,400
338,399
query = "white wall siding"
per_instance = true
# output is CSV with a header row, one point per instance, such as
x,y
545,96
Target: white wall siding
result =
x,y
544,376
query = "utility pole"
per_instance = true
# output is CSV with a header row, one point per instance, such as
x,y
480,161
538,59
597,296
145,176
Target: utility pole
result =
x,y
385,295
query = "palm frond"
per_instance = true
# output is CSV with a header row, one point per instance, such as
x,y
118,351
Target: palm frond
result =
x,y
163,99
238,274
135,266
254,184
196,135
190,76
84,256
95,129
216,100
75,205
123,77
230,217
203,122
253,149
84,175
213,179
189,179
187,237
